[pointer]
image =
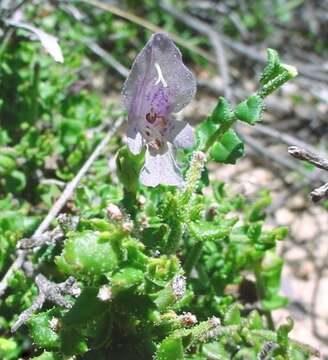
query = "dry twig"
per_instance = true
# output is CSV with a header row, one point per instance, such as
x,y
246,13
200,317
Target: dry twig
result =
x,y
316,160
51,292
213,36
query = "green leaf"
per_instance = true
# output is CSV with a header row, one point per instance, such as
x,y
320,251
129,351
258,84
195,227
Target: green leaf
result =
x,y
85,254
254,320
128,168
155,236
222,112
204,230
273,67
271,268
8,349
233,316
71,131
170,349
204,131
16,181
73,343
46,356
125,279
282,333
215,351
7,164
87,307
250,110
229,149
246,354
43,336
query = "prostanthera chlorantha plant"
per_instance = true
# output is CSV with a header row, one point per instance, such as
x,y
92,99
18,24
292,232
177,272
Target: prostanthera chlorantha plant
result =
x,y
158,270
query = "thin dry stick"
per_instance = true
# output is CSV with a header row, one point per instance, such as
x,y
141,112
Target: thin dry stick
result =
x,y
246,50
52,292
149,26
214,37
108,58
317,161
281,136
310,157
59,204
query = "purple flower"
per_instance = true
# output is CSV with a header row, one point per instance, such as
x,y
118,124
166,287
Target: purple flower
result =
x,y
159,85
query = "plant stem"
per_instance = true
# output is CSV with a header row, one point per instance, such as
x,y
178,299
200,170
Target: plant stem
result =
x,y
35,93
260,289
130,203
193,257
217,136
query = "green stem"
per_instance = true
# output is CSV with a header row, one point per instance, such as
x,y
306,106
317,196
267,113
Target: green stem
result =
x,y
5,42
130,203
35,94
193,257
260,289
217,136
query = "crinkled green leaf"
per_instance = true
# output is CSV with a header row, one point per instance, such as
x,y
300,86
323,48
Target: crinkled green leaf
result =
x,y
204,131
229,149
222,112
170,348
43,336
85,253
250,110
273,67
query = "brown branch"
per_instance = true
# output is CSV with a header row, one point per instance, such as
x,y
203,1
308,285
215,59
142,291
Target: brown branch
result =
x,y
51,292
319,193
310,157
316,160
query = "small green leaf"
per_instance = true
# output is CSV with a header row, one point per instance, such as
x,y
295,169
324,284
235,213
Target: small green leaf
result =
x,y
155,235
8,349
254,320
273,67
7,164
125,279
43,336
229,149
16,181
282,333
128,168
271,268
170,349
86,308
222,112
232,316
250,110
215,351
73,343
46,356
204,230
85,254
204,131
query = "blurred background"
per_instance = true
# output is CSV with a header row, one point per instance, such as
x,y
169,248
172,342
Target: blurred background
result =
x,y
225,43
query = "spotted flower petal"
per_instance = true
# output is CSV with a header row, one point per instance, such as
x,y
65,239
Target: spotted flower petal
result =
x,y
160,168
181,134
158,77
135,141
159,85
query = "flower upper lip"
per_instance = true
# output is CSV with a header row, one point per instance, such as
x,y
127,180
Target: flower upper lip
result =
x,y
158,86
